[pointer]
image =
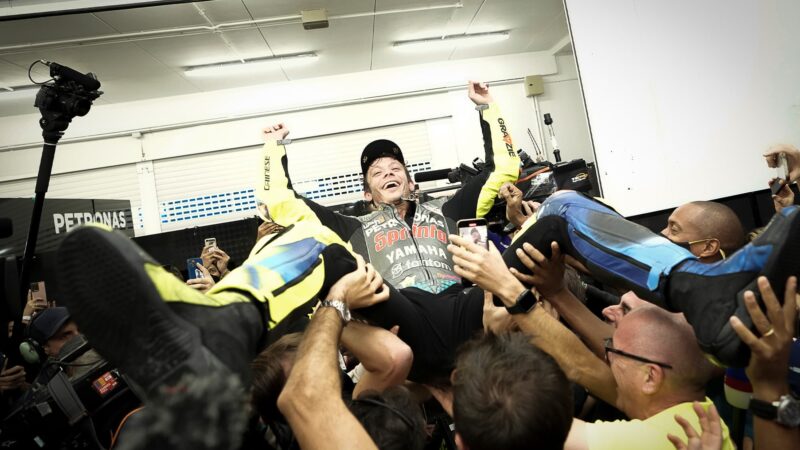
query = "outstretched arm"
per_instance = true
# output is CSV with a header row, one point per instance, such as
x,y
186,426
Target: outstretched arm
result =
x,y
275,190
769,360
312,399
386,359
477,197
548,278
792,155
486,269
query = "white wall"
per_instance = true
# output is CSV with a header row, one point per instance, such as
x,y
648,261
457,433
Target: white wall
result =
x,y
215,121
684,96
562,98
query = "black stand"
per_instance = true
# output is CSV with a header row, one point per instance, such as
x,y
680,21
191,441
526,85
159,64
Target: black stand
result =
x,y
51,139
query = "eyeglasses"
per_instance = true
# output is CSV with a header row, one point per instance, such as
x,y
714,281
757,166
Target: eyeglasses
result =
x,y
607,345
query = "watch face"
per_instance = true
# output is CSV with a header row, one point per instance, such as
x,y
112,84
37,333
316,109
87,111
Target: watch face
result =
x,y
789,412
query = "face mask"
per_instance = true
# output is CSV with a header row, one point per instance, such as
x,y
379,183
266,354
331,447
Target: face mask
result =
x,y
688,245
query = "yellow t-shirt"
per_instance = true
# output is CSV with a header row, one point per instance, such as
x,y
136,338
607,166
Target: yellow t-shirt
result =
x,y
650,433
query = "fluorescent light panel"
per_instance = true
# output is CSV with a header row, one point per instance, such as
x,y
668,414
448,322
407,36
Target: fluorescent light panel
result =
x,y
450,41
17,92
238,67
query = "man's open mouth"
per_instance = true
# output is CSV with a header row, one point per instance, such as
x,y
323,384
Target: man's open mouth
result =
x,y
391,184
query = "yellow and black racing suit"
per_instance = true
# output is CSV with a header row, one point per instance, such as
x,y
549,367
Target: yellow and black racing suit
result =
x,y
413,252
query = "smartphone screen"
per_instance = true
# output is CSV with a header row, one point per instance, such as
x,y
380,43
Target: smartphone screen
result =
x,y
192,271
475,231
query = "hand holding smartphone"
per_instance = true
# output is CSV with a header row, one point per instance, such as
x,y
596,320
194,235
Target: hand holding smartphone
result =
x,y
476,231
781,174
192,271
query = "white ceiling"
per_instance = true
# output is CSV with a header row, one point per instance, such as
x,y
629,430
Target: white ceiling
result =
x,y
136,67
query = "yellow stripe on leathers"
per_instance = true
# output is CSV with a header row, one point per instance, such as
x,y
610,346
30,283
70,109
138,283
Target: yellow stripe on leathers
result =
x,y
285,209
506,160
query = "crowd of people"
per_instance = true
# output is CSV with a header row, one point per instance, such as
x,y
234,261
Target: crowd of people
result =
x,y
351,332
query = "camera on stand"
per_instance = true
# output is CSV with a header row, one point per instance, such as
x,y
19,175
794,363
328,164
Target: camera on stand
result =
x,y
70,94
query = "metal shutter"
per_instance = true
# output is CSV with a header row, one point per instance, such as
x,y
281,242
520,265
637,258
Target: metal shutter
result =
x,y
213,187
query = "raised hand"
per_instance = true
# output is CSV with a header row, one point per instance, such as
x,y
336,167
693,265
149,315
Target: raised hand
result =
x,y
275,132
479,93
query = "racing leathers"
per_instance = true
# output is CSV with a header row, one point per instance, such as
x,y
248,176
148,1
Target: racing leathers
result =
x,y
412,251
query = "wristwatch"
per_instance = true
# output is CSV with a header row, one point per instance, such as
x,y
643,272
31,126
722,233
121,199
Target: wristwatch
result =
x,y
340,307
525,302
785,411
284,141
481,107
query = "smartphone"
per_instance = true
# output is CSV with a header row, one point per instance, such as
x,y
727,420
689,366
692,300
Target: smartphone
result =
x,y
211,242
38,292
192,271
476,231
776,185
781,174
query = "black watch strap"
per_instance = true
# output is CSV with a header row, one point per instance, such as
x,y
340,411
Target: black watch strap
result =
x,y
763,409
525,302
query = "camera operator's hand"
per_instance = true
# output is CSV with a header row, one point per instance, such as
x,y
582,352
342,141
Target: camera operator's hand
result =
x,y
13,378
202,284
275,132
792,159
479,93
360,288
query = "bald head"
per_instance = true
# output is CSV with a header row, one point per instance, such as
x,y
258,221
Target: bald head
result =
x,y
719,221
666,337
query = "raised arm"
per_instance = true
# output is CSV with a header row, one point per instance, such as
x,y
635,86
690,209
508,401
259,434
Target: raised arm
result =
x,y
386,359
477,197
276,192
769,362
312,399
548,278
487,270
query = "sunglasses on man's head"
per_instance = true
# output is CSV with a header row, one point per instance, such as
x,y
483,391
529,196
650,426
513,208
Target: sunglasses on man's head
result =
x,y
609,348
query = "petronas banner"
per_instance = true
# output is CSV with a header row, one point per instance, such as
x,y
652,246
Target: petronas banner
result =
x,y
58,217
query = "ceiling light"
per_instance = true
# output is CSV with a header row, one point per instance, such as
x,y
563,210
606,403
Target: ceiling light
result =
x,y
234,67
17,92
450,41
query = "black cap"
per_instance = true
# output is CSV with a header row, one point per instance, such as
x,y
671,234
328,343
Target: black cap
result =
x,y
47,323
379,149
